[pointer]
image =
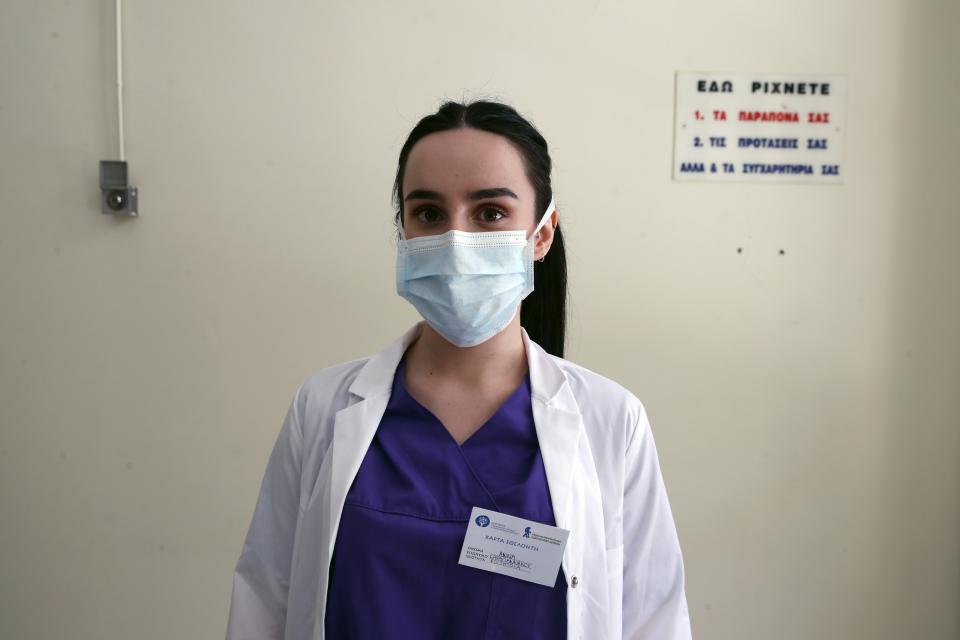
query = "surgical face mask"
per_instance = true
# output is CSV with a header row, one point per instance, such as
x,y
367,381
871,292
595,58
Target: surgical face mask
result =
x,y
467,286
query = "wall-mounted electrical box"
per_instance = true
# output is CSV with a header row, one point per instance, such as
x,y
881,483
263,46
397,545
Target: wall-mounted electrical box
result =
x,y
117,197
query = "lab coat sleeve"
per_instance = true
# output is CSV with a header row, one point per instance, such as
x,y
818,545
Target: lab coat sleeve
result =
x,y
654,599
261,580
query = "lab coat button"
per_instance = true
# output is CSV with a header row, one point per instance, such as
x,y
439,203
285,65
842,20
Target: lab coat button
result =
x,y
574,582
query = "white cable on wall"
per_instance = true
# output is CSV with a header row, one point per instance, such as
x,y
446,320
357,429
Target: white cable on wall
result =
x,y
120,80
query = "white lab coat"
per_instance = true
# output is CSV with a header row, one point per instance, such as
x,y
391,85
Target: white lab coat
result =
x,y
622,562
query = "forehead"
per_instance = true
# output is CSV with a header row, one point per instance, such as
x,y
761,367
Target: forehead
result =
x,y
465,160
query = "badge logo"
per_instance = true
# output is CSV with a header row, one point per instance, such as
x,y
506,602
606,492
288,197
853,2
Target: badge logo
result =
x,y
526,532
483,521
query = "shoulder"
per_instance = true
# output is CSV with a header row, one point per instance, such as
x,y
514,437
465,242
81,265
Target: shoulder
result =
x,y
325,392
604,403
332,381
583,380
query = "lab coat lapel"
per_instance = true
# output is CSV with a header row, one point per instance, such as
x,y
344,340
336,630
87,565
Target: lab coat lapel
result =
x,y
574,492
559,427
353,430
558,432
355,425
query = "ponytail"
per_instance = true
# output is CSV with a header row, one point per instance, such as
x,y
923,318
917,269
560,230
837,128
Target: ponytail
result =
x,y
544,312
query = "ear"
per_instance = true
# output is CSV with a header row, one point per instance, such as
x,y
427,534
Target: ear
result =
x,y
545,236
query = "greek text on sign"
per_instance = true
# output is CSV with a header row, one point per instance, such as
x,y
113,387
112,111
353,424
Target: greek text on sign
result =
x,y
759,127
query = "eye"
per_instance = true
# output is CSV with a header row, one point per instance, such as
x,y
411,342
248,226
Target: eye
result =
x,y
491,214
428,215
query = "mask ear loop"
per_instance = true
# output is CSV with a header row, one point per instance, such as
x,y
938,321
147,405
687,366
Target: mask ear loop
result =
x,y
543,221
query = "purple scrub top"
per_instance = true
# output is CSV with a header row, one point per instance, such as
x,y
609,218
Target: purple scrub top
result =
x,y
394,572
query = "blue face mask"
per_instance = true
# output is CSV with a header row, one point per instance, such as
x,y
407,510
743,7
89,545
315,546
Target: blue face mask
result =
x,y
467,286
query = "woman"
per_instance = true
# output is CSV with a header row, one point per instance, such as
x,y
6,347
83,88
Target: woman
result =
x,y
368,494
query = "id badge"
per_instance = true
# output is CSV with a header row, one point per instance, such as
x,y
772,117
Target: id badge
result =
x,y
513,547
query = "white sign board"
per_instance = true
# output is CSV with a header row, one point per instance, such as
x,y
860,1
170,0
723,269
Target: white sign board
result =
x,y
759,127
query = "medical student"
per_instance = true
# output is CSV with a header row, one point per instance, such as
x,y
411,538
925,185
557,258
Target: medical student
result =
x,y
369,490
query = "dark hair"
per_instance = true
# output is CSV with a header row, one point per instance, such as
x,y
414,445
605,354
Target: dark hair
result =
x,y
544,312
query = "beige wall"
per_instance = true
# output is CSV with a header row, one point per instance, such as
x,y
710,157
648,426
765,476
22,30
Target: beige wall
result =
x,y
805,406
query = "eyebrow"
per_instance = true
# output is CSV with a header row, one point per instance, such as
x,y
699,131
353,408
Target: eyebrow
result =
x,y
495,192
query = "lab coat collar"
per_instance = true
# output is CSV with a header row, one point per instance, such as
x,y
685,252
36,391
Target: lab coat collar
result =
x,y
376,376
546,378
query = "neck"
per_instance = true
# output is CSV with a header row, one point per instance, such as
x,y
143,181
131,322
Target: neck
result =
x,y
499,358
